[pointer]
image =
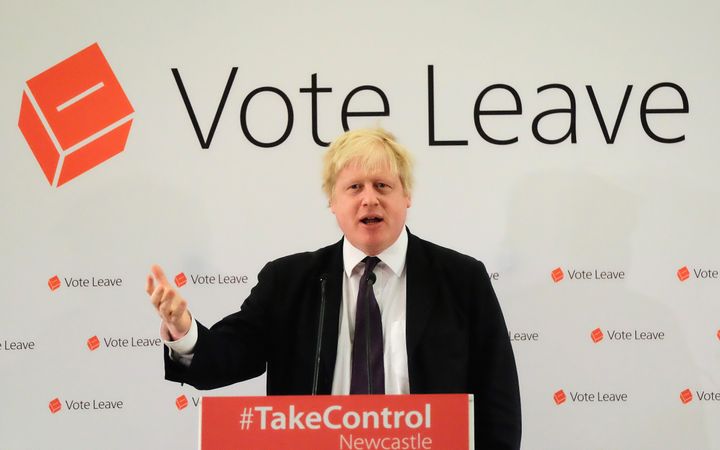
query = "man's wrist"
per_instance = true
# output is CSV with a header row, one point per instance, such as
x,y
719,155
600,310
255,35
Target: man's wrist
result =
x,y
184,345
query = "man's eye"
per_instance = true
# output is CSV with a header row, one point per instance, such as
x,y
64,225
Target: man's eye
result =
x,y
354,187
382,186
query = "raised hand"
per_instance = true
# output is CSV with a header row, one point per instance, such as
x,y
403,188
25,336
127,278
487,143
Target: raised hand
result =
x,y
168,302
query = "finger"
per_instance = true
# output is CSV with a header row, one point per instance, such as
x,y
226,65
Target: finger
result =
x,y
173,303
168,306
150,285
157,296
166,312
159,275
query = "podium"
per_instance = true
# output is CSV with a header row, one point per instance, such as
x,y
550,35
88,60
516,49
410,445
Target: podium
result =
x,y
340,422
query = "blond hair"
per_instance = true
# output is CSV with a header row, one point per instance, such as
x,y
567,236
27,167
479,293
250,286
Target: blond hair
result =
x,y
372,149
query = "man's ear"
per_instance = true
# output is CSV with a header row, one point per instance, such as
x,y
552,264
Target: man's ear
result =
x,y
409,201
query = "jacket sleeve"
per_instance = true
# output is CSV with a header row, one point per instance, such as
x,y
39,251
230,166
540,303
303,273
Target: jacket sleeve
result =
x,y
494,379
233,349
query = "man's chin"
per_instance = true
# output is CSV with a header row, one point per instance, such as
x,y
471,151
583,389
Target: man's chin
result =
x,y
371,247
375,246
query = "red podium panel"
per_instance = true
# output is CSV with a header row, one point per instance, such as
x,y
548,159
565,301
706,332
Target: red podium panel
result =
x,y
341,422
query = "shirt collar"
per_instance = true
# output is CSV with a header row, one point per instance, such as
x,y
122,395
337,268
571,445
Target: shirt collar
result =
x,y
393,256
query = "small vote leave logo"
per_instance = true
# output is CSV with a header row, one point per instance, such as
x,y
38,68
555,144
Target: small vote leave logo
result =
x,y
75,115
55,405
93,343
54,283
596,335
559,397
180,279
683,273
181,402
557,275
686,396
718,334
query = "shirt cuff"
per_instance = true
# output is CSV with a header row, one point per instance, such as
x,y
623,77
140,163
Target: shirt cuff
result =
x,y
184,346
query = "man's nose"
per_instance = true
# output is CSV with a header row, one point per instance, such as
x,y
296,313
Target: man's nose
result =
x,y
370,197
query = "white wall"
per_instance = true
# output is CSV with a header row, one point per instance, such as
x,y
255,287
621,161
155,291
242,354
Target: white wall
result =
x,y
638,206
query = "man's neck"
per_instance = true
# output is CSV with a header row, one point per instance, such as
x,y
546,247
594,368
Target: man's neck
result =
x,y
393,256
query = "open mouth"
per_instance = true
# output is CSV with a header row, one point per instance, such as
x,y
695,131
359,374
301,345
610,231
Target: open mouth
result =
x,y
371,220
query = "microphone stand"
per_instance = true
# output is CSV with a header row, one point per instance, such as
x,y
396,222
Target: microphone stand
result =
x,y
321,322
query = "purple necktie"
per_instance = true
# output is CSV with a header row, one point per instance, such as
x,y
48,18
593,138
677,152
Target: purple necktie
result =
x,y
368,372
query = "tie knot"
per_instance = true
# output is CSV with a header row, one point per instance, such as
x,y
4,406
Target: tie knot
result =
x,y
370,263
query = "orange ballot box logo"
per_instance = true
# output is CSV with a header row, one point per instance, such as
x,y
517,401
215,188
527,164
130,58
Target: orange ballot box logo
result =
x,y
75,115
557,274
181,402
55,405
686,396
180,279
683,273
346,422
54,283
93,343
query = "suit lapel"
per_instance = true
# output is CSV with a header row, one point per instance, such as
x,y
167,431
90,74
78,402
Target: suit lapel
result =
x,y
332,267
422,292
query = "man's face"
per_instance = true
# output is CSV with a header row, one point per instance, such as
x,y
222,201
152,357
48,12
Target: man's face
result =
x,y
370,208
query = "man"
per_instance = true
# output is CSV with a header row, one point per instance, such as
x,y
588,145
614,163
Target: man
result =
x,y
442,330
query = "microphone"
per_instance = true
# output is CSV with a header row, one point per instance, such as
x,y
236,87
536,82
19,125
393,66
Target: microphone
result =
x,y
321,322
371,278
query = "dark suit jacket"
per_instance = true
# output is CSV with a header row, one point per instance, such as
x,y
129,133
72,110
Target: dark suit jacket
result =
x,y
457,341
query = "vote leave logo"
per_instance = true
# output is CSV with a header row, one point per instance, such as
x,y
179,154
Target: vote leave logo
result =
x,y
93,343
54,283
75,115
683,273
181,402
180,279
686,396
55,405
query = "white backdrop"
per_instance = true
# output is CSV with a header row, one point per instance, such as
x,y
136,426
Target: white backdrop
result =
x,y
636,206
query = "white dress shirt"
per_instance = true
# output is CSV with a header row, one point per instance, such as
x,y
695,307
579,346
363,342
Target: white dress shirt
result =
x,y
391,294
